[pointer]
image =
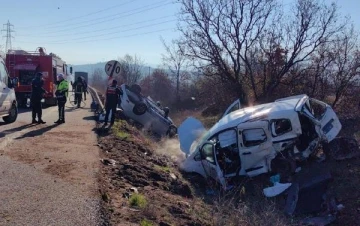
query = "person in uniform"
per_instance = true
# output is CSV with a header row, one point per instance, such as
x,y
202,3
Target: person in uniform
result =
x,y
79,88
85,88
37,93
62,89
112,100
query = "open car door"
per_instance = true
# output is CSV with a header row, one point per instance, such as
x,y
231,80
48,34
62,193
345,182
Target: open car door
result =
x,y
324,116
210,164
233,107
256,149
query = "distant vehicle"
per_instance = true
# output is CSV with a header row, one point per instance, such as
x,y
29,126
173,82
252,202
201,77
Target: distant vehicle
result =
x,y
83,75
23,65
254,140
146,112
8,103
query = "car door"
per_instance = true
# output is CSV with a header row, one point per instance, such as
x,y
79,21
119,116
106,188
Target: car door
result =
x,y
210,164
328,124
4,89
256,149
233,107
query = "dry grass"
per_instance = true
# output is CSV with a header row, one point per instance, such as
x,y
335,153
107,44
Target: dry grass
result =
x,y
180,116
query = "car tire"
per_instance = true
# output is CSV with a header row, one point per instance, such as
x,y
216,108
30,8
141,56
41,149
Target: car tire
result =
x,y
135,88
172,131
12,116
140,108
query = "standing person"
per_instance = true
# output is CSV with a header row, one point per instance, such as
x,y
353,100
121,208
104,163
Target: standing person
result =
x,y
37,93
112,100
62,89
79,88
85,88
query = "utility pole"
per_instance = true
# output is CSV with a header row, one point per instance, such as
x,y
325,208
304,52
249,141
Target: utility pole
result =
x,y
8,36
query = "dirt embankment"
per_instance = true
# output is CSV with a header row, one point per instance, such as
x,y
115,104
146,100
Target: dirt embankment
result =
x,y
144,187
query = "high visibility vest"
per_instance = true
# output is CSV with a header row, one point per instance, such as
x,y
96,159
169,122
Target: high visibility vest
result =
x,y
62,86
111,90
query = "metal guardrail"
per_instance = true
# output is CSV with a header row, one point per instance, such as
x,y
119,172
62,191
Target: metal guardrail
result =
x,y
96,97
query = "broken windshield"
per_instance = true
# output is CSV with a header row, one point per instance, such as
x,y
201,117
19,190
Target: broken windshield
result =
x,y
316,108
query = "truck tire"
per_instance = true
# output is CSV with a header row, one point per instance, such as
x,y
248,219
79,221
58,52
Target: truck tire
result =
x,y
13,113
140,108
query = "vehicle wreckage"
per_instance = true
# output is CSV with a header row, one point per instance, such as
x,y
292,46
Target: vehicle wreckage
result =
x,y
145,111
259,139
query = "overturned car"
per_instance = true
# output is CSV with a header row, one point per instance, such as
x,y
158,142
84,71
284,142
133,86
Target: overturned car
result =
x,y
145,111
255,140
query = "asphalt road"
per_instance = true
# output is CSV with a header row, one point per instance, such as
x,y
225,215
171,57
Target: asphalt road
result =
x,y
48,172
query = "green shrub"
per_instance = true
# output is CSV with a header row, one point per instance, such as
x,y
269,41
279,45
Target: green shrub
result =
x,y
145,223
137,200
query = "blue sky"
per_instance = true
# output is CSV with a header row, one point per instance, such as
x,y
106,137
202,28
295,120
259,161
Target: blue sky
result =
x,y
89,31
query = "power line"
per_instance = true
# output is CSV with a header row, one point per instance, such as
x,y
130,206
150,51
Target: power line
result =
x,y
116,32
95,31
112,29
97,40
77,17
8,35
113,16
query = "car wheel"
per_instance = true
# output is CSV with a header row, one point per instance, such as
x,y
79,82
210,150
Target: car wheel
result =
x,y
12,116
135,88
139,108
172,131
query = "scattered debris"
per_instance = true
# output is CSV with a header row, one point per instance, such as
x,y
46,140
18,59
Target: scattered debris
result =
x,y
108,162
173,176
275,190
135,190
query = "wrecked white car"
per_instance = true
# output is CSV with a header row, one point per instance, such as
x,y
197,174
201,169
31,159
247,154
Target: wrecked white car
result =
x,y
146,112
248,141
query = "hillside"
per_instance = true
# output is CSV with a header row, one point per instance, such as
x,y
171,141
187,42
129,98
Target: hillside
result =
x,y
89,68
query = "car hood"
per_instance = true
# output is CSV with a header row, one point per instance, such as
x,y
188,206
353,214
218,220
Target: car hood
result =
x,y
188,132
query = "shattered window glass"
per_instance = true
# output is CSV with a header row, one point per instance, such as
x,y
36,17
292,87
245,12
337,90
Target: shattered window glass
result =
x,y
253,137
208,153
280,126
317,108
227,138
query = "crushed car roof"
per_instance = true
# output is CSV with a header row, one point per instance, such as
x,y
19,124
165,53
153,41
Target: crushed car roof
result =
x,y
280,108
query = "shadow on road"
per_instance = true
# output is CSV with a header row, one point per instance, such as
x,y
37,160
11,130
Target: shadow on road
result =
x,y
74,108
14,130
90,118
38,132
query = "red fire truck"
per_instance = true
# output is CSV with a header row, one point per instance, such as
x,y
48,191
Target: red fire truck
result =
x,y
23,65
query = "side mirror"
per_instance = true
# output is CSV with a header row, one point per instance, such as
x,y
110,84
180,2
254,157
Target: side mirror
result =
x,y
70,70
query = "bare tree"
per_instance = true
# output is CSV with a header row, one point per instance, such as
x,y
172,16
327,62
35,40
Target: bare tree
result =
x,y
220,33
131,68
232,35
345,67
98,80
176,61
